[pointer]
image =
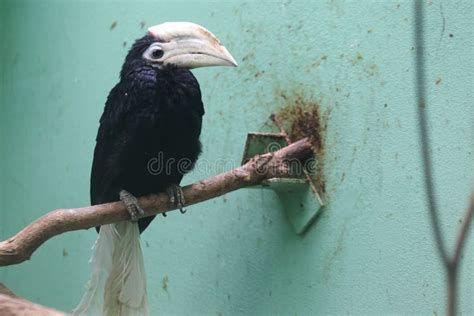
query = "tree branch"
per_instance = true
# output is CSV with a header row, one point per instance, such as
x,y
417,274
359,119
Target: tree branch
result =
x,y
13,305
21,246
450,262
467,219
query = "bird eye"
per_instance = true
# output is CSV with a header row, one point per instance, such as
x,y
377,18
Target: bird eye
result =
x,y
157,53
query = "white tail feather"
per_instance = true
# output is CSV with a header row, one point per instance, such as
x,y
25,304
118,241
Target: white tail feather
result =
x,y
117,285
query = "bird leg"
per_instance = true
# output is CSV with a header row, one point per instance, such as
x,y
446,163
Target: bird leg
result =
x,y
132,205
176,196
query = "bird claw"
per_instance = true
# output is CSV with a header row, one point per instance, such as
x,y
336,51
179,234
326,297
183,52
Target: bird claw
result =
x,y
176,196
133,208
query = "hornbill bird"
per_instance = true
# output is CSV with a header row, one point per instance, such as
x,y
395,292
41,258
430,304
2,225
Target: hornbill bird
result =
x,y
147,140
149,132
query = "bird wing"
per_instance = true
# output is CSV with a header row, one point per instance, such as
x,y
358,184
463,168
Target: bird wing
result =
x,y
115,140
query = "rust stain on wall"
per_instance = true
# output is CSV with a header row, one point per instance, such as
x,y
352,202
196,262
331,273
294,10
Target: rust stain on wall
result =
x,y
302,117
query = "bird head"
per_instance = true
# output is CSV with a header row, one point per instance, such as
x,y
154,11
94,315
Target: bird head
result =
x,y
185,45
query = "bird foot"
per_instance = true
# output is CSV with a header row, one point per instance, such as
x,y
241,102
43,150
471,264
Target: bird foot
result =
x,y
132,205
176,196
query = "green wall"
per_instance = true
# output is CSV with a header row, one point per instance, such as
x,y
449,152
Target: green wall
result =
x,y
371,251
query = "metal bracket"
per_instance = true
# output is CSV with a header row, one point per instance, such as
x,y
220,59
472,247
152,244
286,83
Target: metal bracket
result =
x,y
297,195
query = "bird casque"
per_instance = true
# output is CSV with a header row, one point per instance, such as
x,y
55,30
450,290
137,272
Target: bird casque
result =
x,y
147,140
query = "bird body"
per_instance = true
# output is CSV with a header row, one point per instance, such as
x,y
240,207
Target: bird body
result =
x,y
149,132
148,139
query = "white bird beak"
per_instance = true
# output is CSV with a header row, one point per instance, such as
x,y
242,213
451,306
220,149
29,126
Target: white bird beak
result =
x,y
188,45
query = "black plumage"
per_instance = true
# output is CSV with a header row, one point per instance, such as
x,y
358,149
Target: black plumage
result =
x,y
149,132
